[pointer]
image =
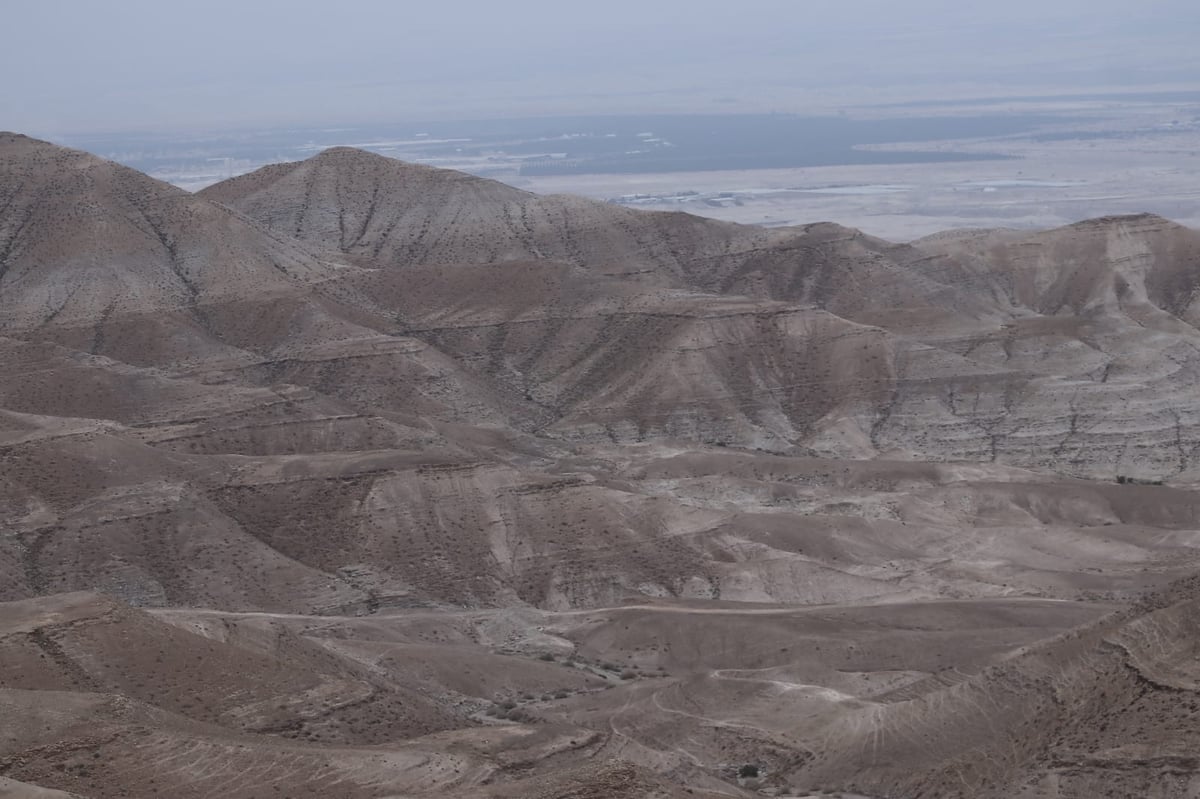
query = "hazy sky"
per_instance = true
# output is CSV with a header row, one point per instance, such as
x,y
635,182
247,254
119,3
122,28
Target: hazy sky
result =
x,y
74,66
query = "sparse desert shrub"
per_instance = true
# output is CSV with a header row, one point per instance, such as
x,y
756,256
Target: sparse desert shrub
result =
x,y
748,771
546,656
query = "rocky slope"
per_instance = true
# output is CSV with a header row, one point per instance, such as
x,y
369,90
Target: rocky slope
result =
x,y
359,478
386,212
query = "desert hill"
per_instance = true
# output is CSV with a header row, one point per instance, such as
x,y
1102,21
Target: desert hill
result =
x,y
962,366
84,239
1135,265
390,213
350,477
1107,710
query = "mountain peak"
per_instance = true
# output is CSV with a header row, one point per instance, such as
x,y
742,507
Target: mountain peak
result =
x,y
16,150
1142,220
85,239
11,136
343,157
346,151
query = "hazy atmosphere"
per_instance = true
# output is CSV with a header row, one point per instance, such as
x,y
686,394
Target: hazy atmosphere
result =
x,y
138,65
622,400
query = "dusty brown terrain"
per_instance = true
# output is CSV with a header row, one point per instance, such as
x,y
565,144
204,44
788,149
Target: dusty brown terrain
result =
x,y
356,478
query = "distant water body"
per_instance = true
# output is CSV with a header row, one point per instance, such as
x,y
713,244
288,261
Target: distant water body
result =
x,y
595,145
620,145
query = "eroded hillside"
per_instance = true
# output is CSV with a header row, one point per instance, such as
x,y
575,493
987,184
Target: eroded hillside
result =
x,y
358,478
